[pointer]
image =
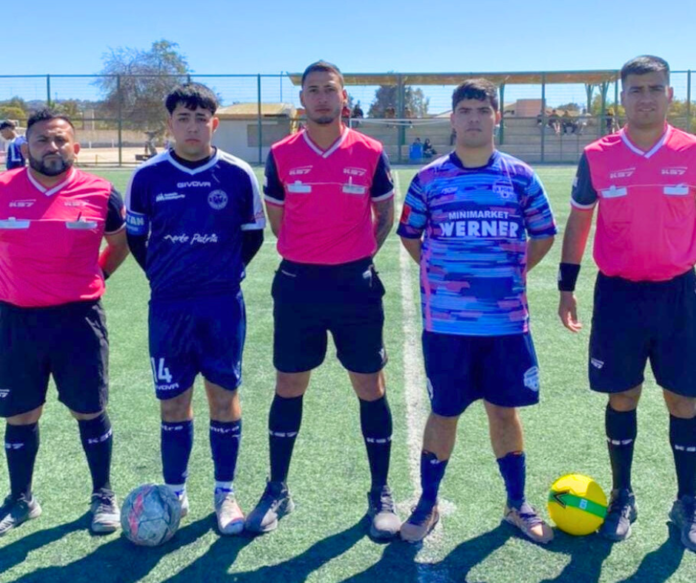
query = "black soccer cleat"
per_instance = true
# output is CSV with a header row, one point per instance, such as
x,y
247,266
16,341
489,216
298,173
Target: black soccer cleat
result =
x,y
16,511
621,513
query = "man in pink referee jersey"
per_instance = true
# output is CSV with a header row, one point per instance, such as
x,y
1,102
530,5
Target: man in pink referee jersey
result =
x,y
643,181
53,219
329,197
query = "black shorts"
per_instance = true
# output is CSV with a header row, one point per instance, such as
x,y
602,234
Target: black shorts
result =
x,y
634,322
311,300
68,341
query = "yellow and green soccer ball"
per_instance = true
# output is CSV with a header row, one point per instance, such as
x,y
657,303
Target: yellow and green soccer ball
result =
x,y
577,504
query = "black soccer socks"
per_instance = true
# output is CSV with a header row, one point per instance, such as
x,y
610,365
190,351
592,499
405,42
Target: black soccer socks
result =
x,y
432,471
621,428
376,424
284,422
21,446
97,441
682,438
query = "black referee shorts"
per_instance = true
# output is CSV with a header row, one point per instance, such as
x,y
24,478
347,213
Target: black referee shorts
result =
x,y
634,322
67,341
311,300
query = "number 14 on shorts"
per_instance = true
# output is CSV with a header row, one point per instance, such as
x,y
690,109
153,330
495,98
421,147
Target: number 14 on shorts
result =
x,y
160,372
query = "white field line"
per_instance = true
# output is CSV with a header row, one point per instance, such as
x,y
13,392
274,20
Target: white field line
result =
x,y
417,404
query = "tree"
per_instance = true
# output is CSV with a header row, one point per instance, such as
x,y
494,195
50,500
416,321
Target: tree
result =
x,y
135,83
386,96
14,108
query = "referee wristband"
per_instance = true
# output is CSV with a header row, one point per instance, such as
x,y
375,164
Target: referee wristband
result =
x,y
567,276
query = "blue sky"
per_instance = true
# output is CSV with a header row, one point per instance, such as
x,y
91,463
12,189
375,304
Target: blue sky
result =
x,y
272,36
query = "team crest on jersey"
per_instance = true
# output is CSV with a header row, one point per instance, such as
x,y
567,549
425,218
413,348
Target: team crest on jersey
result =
x,y
531,378
22,204
625,173
504,189
217,199
300,171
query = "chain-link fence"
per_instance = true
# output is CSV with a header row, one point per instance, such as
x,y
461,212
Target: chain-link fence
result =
x,y
547,117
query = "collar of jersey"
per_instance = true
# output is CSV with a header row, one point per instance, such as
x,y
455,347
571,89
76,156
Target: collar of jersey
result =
x,y
458,163
636,150
332,148
192,171
50,191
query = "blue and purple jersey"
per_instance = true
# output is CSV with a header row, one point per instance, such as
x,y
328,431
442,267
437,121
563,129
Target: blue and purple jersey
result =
x,y
475,223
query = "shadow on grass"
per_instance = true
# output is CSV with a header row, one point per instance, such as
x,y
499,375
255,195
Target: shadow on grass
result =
x,y
587,555
398,561
213,566
16,552
117,561
659,565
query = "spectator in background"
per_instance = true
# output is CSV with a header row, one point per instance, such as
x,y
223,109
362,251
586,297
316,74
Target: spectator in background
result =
x,y
416,151
554,122
15,157
569,124
428,150
609,121
358,114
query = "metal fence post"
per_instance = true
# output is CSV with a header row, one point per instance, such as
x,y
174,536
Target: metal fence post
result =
x,y
120,120
688,100
258,88
501,127
543,117
401,108
48,91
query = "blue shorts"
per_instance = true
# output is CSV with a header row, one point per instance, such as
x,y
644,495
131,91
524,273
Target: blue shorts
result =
x,y
503,370
189,337
633,322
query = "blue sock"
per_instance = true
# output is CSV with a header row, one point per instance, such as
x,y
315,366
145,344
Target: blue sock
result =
x,y
432,472
514,471
177,443
224,445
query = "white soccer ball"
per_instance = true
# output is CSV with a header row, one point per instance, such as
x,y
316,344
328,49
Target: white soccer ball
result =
x,y
150,515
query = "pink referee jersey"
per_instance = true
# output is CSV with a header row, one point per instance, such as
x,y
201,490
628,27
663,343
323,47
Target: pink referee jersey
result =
x,y
327,196
50,238
646,222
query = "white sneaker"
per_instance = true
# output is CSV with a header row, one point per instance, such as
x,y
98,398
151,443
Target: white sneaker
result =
x,y
183,500
230,518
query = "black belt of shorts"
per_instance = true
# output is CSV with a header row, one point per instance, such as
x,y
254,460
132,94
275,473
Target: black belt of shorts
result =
x,y
617,280
312,270
67,307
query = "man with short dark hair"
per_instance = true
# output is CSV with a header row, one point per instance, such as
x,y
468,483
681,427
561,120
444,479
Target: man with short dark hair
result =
x,y
195,221
14,158
477,221
329,197
642,181
52,222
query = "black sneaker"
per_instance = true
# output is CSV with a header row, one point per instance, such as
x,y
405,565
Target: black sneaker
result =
x,y
423,519
15,511
106,516
683,515
384,523
274,504
621,513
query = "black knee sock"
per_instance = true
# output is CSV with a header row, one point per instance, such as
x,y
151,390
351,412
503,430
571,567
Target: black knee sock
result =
x,y
97,441
376,423
682,438
622,428
21,446
284,423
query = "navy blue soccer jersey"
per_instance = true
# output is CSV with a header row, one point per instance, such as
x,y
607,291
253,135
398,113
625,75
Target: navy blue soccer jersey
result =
x,y
194,219
15,158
